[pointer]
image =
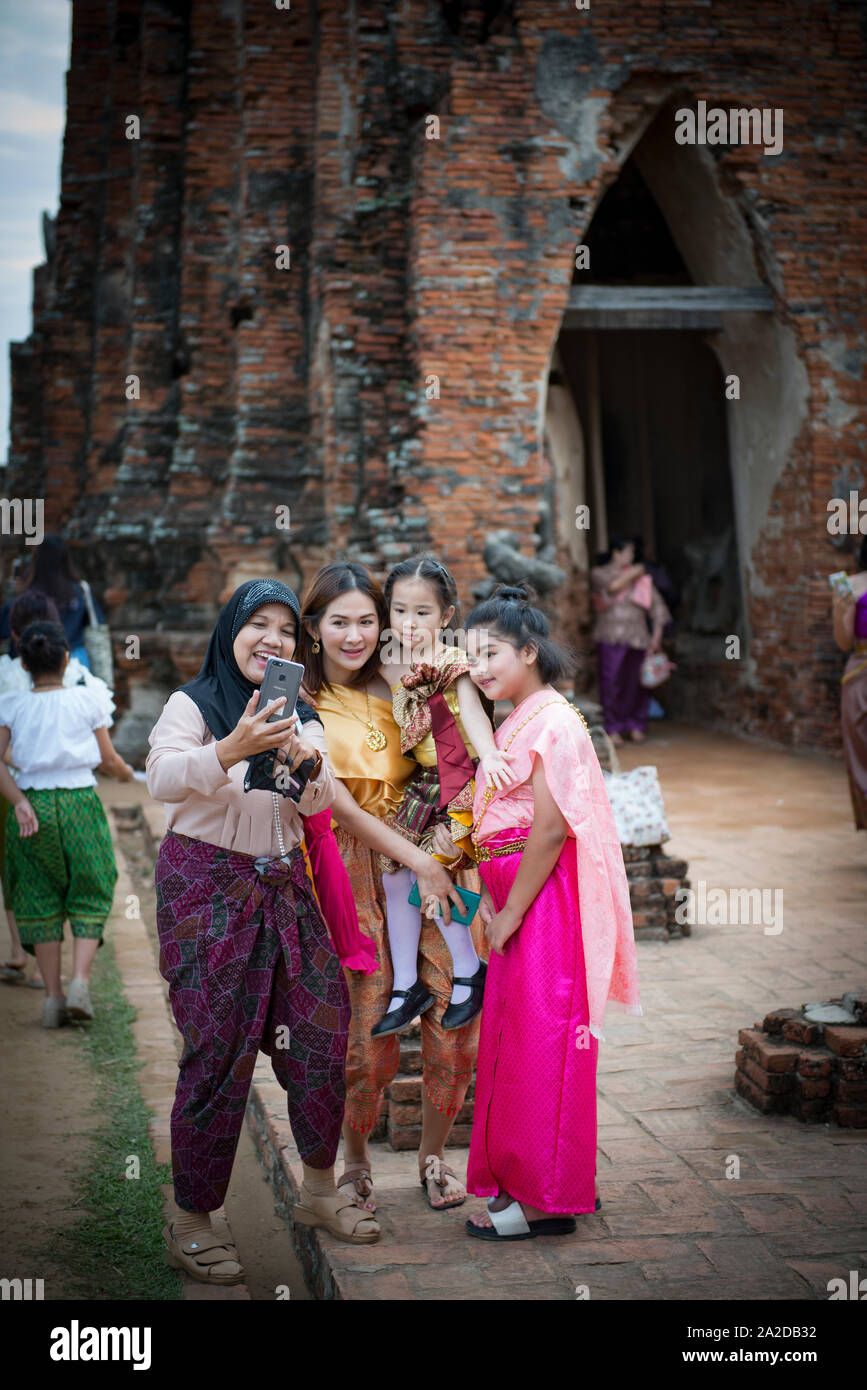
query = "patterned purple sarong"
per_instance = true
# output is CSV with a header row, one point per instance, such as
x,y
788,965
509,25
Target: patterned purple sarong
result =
x,y
250,967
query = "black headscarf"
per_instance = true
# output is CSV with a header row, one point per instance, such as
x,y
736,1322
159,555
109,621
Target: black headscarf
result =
x,y
221,690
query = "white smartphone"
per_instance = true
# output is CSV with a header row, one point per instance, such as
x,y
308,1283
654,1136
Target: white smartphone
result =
x,y
281,678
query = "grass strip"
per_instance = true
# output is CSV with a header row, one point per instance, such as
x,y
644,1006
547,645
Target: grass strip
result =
x,y
116,1250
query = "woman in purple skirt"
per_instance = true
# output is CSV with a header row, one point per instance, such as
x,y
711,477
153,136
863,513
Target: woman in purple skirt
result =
x,y
243,943
625,597
850,632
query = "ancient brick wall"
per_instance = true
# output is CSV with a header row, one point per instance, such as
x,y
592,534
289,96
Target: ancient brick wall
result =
x,y
410,259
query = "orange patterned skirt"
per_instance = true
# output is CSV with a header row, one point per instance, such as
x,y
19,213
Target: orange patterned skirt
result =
x,y
448,1058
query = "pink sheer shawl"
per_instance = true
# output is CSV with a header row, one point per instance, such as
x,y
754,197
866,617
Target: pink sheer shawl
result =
x,y
546,726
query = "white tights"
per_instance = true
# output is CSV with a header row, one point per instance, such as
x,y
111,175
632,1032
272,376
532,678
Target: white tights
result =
x,y
404,931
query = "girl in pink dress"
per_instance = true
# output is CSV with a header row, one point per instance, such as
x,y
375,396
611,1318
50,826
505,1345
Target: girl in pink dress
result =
x,y
559,923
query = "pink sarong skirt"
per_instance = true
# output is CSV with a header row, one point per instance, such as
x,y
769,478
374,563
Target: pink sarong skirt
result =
x,y
534,1123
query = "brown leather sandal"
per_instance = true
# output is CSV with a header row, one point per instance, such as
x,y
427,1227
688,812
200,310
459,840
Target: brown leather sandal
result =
x,y
356,1174
339,1215
198,1257
438,1176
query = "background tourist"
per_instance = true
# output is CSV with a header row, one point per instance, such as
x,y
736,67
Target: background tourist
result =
x,y
625,598
850,632
60,857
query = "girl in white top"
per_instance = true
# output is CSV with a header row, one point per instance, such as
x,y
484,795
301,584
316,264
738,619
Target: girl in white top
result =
x,y
33,607
13,676
60,855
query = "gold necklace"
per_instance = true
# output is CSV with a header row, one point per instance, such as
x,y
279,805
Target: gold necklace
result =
x,y
375,738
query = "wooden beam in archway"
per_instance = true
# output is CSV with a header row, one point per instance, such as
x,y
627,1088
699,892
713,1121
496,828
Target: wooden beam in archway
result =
x,y
662,306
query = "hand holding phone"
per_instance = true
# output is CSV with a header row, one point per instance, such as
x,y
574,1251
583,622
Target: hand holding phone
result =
x,y
281,679
470,899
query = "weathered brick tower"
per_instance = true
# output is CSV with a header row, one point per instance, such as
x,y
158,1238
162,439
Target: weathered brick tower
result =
x,y
422,363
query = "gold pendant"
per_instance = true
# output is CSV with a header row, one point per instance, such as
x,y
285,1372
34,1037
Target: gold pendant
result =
x,y
375,740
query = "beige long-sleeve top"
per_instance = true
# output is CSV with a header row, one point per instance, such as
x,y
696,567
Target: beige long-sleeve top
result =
x,y
207,803
622,620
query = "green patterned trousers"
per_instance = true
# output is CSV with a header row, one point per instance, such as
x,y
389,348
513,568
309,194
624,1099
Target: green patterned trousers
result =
x,y
4,882
66,870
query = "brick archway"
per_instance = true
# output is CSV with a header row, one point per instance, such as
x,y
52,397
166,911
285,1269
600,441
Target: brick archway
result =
x,y
711,241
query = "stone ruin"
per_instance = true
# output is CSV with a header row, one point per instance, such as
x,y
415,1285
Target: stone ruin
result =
x,y
809,1062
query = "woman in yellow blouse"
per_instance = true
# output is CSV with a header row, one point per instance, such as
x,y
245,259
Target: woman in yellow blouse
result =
x,y
342,616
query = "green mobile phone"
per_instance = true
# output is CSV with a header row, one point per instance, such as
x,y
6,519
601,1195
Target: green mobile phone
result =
x,y
472,901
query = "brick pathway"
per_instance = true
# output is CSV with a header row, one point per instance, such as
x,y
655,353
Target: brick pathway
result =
x,y
673,1225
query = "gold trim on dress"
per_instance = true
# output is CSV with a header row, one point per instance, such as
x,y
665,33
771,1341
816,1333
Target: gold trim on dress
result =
x,y
858,669
486,852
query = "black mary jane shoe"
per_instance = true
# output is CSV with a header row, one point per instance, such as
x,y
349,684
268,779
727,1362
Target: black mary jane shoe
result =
x,y
416,1000
457,1015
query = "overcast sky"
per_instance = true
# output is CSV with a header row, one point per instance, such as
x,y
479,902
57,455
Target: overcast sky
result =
x,y
34,56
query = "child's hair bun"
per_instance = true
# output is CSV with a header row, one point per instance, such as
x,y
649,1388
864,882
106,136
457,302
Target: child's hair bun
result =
x,y
514,593
42,646
510,615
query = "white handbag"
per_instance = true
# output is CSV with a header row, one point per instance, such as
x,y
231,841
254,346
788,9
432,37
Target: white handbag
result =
x,y
636,800
97,641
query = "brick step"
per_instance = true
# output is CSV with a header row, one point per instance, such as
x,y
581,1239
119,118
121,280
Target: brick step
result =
x,y
409,1136
817,1072
654,880
399,1123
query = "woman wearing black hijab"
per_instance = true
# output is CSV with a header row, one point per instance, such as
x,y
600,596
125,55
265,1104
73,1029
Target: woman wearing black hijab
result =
x,y
249,961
